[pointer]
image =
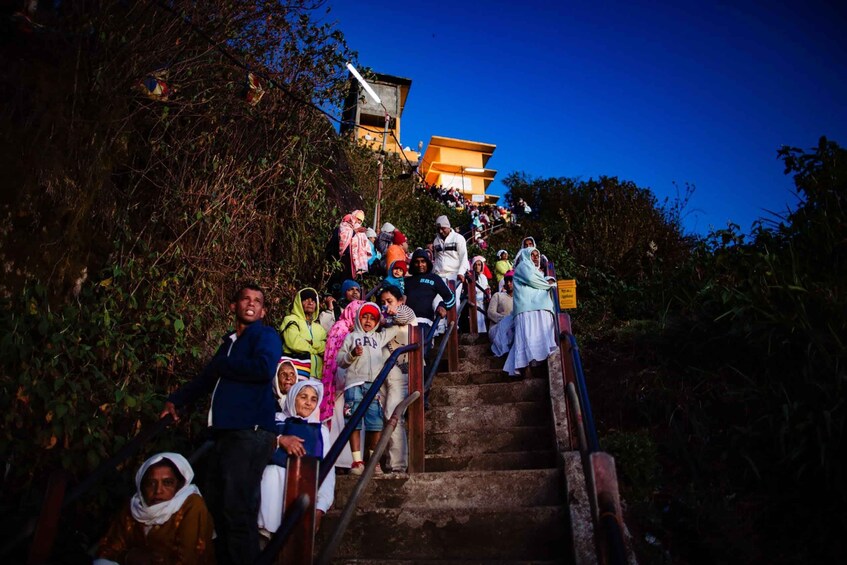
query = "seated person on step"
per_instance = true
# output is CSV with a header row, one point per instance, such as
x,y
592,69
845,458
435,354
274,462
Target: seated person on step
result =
x,y
166,520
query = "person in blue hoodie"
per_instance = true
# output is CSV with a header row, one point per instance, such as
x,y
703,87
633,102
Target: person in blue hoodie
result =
x,y
241,418
396,275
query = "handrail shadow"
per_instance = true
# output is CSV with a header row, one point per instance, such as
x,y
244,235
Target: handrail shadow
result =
x,y
327,553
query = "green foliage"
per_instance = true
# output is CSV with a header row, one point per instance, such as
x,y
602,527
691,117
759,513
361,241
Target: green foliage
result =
x,y
757,326
79,379
615,238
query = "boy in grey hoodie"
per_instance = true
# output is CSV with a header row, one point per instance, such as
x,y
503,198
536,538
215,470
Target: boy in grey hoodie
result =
x,y
363,354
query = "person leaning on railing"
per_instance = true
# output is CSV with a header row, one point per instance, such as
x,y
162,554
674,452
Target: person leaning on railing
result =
x,y
422,289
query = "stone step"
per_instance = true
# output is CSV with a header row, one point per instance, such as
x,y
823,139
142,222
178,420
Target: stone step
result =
x,y
536,533
523,438
461,489
489,362
469,339
439,562
491,417
475,377
490,461
492,393
475,351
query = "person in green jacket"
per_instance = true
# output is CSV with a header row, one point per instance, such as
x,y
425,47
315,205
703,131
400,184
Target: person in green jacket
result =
x,y
501,267
302,335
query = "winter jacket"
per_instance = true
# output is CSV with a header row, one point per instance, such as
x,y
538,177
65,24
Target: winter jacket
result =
x,y
365,367
302,339
240,374
422,288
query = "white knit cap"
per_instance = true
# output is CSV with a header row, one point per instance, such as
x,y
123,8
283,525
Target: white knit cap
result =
x,y
387,228
442,222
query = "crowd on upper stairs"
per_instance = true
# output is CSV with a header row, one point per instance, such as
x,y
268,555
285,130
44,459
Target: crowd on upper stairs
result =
x,y
287,391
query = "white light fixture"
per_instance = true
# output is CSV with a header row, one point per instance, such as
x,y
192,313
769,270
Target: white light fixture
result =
x,y
364,84
473,170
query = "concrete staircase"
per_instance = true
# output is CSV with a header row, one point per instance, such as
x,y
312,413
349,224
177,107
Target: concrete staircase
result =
x,y
491,493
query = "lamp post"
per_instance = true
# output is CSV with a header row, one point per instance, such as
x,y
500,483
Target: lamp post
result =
x,y
381,160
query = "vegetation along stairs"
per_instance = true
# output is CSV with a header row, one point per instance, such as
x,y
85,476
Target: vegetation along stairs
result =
x,y
491,493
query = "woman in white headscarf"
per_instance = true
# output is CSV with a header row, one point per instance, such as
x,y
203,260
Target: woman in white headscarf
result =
x,y
166,520
300,433
533,312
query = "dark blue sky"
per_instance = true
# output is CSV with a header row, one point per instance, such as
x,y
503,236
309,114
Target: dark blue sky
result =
x,y
688,92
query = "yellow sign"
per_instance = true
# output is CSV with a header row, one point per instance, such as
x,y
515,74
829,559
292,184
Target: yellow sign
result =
x,y
567,294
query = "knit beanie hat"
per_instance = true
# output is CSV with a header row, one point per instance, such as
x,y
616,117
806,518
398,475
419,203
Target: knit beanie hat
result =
x,y
370,308
348,284
442,222
387,228
369,233
400,265
399,238
307,293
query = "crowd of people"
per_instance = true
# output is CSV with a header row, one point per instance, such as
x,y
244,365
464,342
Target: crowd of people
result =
x,y
287,391
482,217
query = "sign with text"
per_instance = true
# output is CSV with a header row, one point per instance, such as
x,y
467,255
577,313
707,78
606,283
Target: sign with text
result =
x,y
567,294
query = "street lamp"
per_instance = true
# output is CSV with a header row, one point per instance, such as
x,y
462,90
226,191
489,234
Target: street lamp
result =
x,y
376,99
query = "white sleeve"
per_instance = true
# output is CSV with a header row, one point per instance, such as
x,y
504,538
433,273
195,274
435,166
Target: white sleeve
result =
x,y
326,493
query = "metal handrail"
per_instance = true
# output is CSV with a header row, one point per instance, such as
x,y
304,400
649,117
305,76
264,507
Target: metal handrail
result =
x,y
347,514
442,347
582,389
606,510
432,330
127,451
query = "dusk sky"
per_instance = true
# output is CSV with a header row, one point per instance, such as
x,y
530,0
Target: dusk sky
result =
x,y
656,93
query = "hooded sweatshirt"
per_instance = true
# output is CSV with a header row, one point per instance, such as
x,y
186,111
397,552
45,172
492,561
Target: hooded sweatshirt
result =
x,y
365,367
334,341
391,280
422,288
304,339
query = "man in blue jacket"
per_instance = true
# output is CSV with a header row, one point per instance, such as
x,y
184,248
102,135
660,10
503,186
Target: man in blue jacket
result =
x,y
241,417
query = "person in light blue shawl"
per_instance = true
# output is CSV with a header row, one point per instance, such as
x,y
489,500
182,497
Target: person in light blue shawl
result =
x,y
535,327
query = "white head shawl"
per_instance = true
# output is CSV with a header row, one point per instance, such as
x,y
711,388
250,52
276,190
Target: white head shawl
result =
x,y
160,513
288,410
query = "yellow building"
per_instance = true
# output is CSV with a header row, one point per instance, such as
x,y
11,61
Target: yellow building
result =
x,y
459,164
363,118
